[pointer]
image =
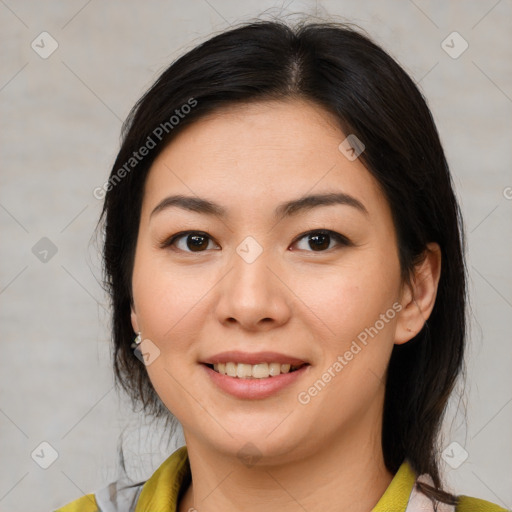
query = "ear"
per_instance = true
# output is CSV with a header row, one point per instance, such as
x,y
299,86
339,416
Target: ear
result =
x,y
418,299
133,317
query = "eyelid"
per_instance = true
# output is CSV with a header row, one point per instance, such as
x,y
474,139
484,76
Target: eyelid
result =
x,y
168,241
342,240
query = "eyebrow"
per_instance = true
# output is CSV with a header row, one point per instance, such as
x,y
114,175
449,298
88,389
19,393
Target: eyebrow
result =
x,y
286,209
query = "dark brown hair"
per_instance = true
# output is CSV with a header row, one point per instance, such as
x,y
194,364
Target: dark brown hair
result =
x,y
343,71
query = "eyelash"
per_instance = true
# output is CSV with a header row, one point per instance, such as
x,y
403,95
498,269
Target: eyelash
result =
x,y
342,240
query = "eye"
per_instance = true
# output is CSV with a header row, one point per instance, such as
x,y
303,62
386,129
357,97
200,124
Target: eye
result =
x,y
194,241
320,241
198,241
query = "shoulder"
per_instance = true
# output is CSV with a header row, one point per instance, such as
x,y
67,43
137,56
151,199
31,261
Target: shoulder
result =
x,y
86,503
418,501
118,496
123,494
470,504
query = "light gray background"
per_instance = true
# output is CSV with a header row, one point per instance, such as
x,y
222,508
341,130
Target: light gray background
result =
x,y
61,118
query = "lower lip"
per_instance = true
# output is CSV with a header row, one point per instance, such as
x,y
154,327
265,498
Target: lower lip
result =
x,y
254,389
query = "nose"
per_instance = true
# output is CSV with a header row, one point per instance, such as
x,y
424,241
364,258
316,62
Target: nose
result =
x,y
252,296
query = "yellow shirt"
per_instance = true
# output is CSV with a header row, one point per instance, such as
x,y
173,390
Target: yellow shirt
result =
x,y
161,493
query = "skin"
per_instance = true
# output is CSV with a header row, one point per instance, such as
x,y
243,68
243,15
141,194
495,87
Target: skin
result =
x,y
291,299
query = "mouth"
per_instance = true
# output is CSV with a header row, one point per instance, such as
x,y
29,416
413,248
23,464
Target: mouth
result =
x,y
254,375
262,370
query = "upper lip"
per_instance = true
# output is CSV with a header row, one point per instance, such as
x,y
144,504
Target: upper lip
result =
x,y
253,358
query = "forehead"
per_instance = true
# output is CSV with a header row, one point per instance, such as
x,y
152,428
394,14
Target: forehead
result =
x,y
258,154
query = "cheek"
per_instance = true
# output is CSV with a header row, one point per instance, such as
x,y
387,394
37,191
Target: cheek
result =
x,y
351,297
168,304
167,301
355,328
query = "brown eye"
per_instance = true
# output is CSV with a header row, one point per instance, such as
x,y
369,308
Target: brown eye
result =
x,y
320,241
196,242
317,241
189,241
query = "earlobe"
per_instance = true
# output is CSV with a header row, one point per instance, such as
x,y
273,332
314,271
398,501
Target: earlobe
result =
x,y
419,297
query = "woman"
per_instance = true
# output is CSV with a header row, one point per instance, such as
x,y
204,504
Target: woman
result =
x,y
283,242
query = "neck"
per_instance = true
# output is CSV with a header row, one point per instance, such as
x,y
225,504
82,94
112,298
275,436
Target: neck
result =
x,y
348,471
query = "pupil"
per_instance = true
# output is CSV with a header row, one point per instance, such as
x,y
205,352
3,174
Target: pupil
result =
x,y
196,242
321,241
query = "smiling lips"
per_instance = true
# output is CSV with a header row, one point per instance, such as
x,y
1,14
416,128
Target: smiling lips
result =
x,y
260,365
254,388
252,371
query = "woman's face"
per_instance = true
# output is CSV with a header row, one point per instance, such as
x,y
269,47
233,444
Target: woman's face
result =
x,y
259,280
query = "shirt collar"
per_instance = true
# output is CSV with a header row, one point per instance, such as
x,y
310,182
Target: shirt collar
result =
x,y
163,490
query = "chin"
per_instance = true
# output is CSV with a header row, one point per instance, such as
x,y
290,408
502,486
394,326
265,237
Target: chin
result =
x,y
257,446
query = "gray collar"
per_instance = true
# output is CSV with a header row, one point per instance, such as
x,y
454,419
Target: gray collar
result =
x,y
122,496
119,496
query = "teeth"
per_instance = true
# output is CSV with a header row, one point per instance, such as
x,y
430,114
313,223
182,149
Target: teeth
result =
x,y
274,369
252,371
243,371
262,370
230,369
